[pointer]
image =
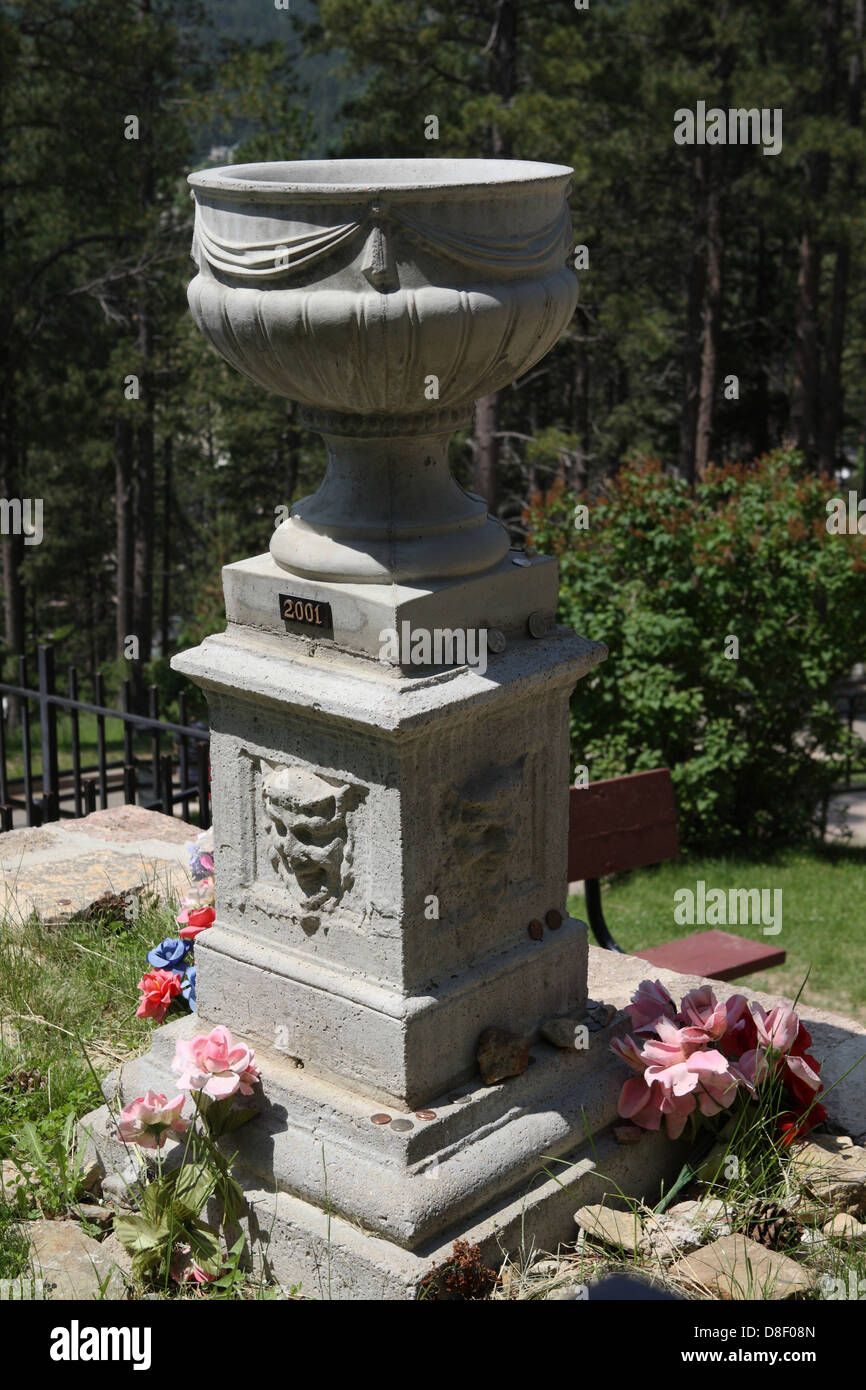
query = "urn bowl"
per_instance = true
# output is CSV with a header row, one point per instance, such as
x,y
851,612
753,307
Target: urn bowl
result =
x,y
385,297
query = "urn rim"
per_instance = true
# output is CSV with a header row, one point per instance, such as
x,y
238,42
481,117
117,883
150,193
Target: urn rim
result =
x,y
320,180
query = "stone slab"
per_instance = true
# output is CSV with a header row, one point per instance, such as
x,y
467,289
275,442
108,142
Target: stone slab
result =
x,y
736,1268
131,825
59,870
72,1265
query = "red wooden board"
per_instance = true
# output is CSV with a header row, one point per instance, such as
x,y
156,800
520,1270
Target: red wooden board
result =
x,y
621,823
717,954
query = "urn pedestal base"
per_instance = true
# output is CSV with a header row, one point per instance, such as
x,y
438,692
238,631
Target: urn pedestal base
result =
x,y
353,617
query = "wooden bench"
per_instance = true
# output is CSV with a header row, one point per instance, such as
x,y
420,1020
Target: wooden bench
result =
x,y
629,823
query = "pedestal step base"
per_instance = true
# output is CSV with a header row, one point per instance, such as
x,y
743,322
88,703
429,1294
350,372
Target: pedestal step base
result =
x,y
502,1166
321,1255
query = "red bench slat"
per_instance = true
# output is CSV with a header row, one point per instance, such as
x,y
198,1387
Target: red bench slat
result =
x,y
717,954
621,823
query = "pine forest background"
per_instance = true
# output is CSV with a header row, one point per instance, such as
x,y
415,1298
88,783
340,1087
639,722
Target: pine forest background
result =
x,y
703,262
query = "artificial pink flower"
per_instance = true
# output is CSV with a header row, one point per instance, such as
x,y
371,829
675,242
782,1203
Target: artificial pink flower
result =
x,y
214,1063
184,1269
673,1044
641,1103
194,920
149,1118
649,1003
158,988
628,1051
701,1009
777,1029
754,1067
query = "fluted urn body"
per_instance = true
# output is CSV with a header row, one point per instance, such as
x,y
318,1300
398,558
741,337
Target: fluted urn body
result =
x,y
385,297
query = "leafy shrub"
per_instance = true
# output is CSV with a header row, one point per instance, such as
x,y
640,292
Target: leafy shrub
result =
x,y
664,578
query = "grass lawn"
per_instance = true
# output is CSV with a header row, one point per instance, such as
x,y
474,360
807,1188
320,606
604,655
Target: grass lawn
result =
x,y
67,1010
823,918
88,746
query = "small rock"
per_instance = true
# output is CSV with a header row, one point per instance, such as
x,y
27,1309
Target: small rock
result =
x,y
560,1031
684,1228
11,1179
620,1228
116,1256
707,1211
603,1013
92,1174
72,1264
738,1268
97,1216
118,1189
627,1134
832,1173
567,1293
501,1054
545,1269
845,1227
666,1237
813,1240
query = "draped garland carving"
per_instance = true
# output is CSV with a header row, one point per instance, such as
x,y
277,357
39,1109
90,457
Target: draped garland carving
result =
x,y
284,256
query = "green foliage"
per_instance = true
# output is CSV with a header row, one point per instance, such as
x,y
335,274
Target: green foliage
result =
x,y
171,1203
664,579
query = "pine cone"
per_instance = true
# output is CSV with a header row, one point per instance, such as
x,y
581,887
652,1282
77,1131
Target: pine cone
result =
x,y
770,1225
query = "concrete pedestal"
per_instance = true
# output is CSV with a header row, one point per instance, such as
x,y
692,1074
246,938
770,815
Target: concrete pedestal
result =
x,y
383,841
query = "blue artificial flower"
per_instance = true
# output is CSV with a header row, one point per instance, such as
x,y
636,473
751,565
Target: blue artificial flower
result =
x,y
171,954
188,987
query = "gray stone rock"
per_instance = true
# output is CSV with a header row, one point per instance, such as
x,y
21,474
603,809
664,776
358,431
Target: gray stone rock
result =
x,y
501,1054
119,1189
617,1228
831,1173
71,1264
97,1216
845,1228
560,1031
736,1268
683,1229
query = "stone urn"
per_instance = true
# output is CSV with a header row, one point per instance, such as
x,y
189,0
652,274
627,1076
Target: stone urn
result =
x,y
385,297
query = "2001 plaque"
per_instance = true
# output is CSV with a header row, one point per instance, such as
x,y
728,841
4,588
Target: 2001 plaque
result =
x,y
310,614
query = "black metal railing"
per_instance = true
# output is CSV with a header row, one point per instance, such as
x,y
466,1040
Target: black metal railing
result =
x,y
159,781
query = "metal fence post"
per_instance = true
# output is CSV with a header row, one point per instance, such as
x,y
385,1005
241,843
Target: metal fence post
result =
x,y
48,727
